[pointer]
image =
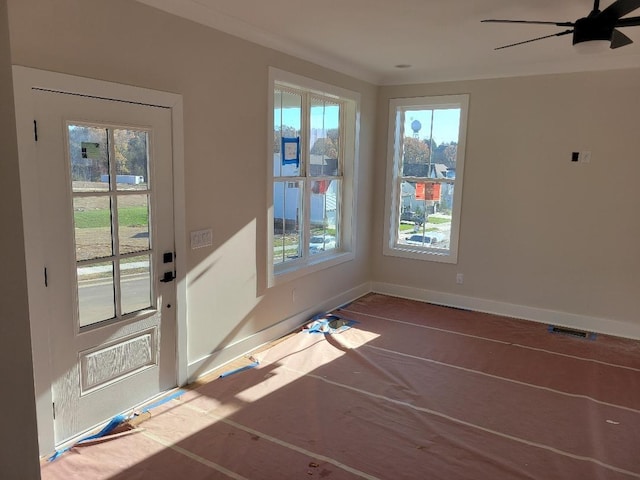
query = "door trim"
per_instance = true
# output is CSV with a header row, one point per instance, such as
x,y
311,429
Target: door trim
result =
x,y
25,80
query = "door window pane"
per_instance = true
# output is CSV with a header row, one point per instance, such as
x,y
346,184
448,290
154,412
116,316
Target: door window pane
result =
x,y
92,219
96,294
88,152
111,223
135,283
133,223
131,155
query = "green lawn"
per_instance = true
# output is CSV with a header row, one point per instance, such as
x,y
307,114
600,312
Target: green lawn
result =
x,y
439,220
409,228
431,220
127,216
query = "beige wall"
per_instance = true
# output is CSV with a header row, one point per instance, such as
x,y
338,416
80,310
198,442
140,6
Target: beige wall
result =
x,y
18,440
224,85
537,230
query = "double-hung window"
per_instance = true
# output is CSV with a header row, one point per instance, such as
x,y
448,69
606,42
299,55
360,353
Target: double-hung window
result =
x,y
424,177
312,160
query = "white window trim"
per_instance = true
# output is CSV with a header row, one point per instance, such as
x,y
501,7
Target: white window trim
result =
x,y
346,251
392,208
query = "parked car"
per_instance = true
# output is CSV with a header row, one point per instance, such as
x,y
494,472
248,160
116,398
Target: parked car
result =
x,y
320,243
417,218
428,239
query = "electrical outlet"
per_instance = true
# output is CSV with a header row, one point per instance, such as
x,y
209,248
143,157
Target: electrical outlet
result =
x,y
460,278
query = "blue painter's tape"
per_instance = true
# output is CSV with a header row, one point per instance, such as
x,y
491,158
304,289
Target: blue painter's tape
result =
x,y
238,370
163,400
328,323
116,422
108,428
57,454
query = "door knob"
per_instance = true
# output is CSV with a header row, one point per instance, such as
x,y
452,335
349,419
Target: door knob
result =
x,y
168,277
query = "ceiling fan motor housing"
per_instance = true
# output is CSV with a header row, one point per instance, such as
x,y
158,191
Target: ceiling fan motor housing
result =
x,y
592,28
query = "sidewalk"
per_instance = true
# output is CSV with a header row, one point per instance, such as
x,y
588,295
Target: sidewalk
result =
x,y
107,268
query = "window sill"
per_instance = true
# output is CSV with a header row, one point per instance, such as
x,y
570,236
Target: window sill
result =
x,y
424,255
313,264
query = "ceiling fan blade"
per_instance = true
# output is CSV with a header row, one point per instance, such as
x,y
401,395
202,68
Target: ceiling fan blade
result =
x,y
619,39
619,9
566,32
535,22
628,22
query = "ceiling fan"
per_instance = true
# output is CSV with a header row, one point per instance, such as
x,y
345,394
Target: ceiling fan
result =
x,y
597,26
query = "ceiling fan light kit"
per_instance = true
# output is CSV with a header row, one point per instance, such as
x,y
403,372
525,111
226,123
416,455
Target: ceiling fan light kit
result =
x,y
594,33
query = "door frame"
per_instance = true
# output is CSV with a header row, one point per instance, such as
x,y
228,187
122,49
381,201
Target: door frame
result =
x,y
25,80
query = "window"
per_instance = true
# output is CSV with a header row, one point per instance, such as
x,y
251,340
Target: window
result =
x,y
424,178
312,156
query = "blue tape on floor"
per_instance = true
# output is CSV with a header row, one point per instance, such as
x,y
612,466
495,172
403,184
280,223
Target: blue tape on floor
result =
x,y
108,428
238,370
166,399
115,422
328,323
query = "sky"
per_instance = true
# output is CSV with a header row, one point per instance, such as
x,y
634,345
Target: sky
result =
x,y
445,124
319,117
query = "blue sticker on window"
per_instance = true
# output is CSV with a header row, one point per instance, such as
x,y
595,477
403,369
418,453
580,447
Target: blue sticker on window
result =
x,y
291,151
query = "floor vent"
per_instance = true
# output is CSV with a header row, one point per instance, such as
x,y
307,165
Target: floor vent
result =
x,y
570,332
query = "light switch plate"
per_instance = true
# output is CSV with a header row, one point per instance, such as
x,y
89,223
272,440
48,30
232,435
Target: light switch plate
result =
x,y
201,238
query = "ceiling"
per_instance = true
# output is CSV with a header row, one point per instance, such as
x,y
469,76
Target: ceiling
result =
x,y
442,40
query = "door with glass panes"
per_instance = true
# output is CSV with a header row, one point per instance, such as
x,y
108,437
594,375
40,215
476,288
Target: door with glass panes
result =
x,y
105,183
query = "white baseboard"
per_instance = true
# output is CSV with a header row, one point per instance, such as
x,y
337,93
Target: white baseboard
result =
x,y
218,358
581,322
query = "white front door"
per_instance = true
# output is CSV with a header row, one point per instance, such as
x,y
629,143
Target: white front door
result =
x,y
105,189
